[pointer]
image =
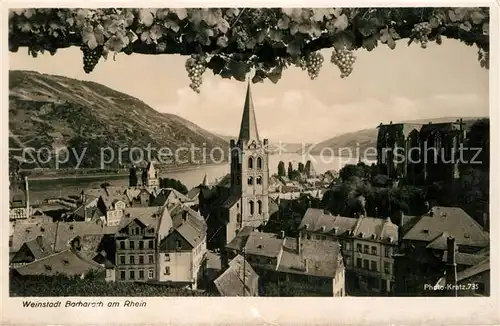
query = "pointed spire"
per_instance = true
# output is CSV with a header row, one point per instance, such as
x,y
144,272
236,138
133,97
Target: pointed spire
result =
x,y
248,129
204,182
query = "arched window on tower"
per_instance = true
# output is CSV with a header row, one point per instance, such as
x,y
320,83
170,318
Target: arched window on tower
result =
x,y
258,180
250,162
259,206
250,181
259,163
250,207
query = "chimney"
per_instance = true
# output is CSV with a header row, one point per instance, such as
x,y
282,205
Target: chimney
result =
x,y
401,217
282,234
27,193
299,244
84,212
306,265
486,223
451,267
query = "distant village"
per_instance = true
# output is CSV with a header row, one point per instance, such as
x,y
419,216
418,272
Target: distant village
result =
x,y
251,233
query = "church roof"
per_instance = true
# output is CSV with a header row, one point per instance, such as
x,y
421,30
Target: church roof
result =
x,y
248,128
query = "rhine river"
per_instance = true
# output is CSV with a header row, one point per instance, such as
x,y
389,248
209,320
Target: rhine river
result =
x,y
191,177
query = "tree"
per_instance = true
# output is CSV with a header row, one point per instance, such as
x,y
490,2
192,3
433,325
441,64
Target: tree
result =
x,y
301,167
132,178
232,42
173,183
290,170
308,168
281,169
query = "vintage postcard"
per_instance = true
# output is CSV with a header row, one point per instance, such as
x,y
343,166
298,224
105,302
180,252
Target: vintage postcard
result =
x,y
260,165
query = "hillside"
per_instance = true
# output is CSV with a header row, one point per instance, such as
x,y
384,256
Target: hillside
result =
x,y
367,138
58,112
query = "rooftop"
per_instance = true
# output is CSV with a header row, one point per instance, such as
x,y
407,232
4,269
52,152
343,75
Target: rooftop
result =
x,y
238,280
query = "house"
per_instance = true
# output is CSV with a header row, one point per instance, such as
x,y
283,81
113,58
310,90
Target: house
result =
x,y
32,250
136,243
239,280
367,245
420,255
183,250
167,196
304,266
67,262
194,193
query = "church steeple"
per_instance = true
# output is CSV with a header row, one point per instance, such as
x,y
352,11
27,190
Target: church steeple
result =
x,y
248,128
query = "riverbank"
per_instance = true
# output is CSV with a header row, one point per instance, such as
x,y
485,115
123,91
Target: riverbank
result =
x,y
90,175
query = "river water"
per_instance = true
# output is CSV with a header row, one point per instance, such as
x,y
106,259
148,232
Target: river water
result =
x,y
191,177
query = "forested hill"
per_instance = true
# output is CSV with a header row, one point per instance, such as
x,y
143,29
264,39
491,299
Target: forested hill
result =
x,y
55,111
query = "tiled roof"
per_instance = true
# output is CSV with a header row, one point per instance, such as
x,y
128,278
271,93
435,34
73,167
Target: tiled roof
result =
x,y
273,206
440,242
149,216
462,258
67,231
193,192
66,262
190,225
377,229
315,219
92,213
231,200
263,244
452,220
318,258
479,268
238,280
39,247
24,232
240,239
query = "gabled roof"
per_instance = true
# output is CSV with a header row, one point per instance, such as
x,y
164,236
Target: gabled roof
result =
x,y
189,224
238,280
231,200
39,248
248,127
462,258
67,231
148,216
264,244
193,193
452,220
67,262
240,240
318,258
24,232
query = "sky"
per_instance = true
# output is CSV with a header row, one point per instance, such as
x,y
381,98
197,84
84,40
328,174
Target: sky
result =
x,y
406,83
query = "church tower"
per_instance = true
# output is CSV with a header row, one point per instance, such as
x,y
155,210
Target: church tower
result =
x,y
250,169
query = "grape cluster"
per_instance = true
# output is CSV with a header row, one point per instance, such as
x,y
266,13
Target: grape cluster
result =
x,y
196,66
312,62
344,59
421,32
90,57
241,36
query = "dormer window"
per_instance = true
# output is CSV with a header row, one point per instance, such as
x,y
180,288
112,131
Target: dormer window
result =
x,y
426,231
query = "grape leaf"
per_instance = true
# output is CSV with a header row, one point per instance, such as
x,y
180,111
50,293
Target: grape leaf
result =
x,y
294,48
341,23
110,26
344,39
294,28
238,70
99,34
391,43
180,12
466,26
162,13
145,37
204,36
156,32
146,17
452,15
222,41
232,12
172,25
366,28
486,28
394,34
434,22
211,16
321,13
283,22
88,37
223,26
295,14
259,77
384,35
370,43
114,43
477,17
